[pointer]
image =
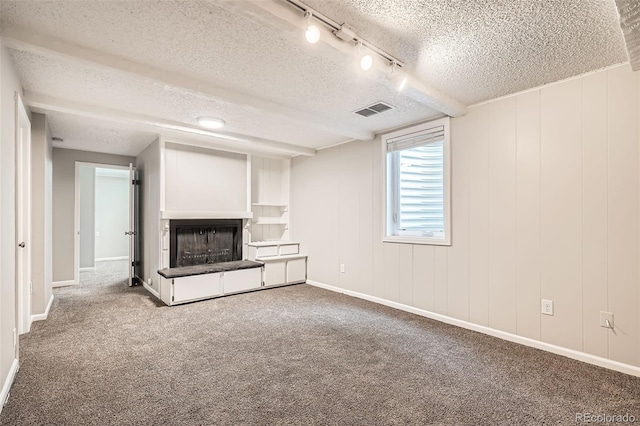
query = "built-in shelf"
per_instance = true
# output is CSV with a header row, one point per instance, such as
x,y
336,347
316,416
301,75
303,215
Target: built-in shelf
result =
x,y
268,221
282,206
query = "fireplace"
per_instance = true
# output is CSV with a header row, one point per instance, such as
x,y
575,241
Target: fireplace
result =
x,y
204,241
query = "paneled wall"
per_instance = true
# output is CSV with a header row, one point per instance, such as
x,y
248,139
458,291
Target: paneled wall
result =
x,y
199,179
545,204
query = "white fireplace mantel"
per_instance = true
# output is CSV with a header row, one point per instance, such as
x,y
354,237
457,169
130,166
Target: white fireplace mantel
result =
x,y
178,214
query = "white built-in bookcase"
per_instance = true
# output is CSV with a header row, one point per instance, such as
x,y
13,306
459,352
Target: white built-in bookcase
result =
x,y
270,199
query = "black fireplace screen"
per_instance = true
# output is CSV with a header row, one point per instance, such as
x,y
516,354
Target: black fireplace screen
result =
x,y
204,241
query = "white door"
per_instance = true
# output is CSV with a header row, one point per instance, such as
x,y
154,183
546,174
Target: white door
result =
x,y
23,217
131,232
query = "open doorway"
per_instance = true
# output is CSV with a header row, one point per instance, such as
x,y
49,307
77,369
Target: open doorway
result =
x,y
104,222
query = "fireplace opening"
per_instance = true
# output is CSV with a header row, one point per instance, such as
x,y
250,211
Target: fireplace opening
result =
x,y
204,241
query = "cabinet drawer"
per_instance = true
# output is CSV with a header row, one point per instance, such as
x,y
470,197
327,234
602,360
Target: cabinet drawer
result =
x,y
196,287
266,251
289,249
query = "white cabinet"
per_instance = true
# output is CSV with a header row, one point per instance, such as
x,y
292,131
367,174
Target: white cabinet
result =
x,y
263,249
274,273
283,263
242,280
206,286
196,287
297,270
285,270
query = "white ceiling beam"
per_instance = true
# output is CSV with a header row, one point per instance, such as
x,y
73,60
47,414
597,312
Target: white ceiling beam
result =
x,y
289,17
51,47
170,129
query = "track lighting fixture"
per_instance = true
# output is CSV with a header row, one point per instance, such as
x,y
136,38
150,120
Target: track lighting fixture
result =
x,y
366,60
312,34
397,77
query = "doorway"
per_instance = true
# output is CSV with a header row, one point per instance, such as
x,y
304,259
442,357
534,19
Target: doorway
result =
x,y
103,221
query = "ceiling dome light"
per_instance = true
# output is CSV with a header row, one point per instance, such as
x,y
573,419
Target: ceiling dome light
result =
x,y
210,122
366,62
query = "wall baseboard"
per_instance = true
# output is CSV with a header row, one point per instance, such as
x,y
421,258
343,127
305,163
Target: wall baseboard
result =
x,y
548,347
8,382
150,290
63,283
104,259
42,317
90,268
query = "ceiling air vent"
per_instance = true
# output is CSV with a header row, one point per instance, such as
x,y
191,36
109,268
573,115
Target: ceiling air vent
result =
x,y
374,109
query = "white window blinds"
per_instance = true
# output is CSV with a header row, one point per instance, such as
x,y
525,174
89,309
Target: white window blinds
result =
x,y
418,175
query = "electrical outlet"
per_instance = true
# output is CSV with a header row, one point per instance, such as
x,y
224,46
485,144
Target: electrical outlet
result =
x,y
606,319
342,268
547,307
150,281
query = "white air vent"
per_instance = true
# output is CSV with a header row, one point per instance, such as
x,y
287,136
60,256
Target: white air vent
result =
x,y
374,109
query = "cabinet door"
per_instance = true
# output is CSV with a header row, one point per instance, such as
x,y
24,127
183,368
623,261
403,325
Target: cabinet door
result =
x,y
274,272
196,287
297,270
242,280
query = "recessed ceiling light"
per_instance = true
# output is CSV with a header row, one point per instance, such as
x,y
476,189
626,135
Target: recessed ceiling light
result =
x,y
210,122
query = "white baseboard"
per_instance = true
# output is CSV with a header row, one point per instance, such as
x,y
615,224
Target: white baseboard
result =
x,y
104,259
87,269
8,381
42,317
548,347
150,289
63,283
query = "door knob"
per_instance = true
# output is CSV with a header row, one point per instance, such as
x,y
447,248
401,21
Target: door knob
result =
x,y
22,245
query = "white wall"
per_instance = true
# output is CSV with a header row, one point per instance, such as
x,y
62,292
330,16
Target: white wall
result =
x,y
148,164
111,215
9,84
41,198
199,179
545,204
63,204
87,193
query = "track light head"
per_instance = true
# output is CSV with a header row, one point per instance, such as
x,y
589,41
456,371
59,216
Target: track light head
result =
x,y
312,33
397,77
366,62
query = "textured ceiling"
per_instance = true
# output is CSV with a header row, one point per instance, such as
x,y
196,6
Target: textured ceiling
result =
x,y
96,135
472,51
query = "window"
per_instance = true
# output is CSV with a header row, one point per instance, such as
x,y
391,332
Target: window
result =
x,y
416,166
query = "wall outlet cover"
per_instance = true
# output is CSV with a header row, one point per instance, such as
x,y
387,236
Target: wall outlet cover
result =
x,y
546,307
606,319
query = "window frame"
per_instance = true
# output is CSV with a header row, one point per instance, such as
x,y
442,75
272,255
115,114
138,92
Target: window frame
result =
x,y
389,197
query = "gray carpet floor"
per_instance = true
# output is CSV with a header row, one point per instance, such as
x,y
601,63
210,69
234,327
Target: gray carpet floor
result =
x,y
298,355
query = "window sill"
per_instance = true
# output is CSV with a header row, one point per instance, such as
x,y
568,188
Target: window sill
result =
x,y
416,240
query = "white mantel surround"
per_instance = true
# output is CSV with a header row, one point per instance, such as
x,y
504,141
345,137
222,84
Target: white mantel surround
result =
x,y
176,214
